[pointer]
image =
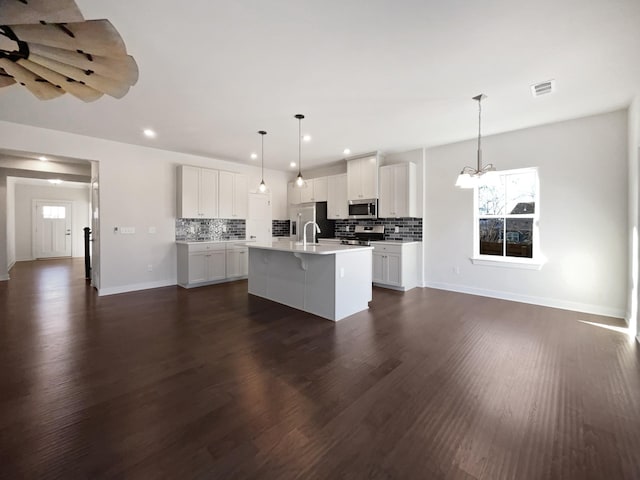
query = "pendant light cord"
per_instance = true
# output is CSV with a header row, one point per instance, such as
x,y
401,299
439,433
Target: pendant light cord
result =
x,y
262,138
299,147
479,135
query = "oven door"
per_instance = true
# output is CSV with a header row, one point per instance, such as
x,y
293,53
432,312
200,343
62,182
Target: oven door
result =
x,y
363,209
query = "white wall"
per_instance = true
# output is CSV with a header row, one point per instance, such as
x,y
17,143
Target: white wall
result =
x,y
11,222
633,291
583,215
4,271
137,189
24,196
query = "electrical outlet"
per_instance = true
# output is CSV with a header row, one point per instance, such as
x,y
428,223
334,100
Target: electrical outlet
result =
x,y
456,270
224,229
149,268
153,230
396,230
347,228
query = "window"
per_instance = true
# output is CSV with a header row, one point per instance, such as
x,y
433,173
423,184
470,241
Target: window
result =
x,y
49,211
506,218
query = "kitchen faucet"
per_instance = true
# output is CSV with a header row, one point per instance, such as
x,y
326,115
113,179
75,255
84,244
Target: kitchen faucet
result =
x,y
304,232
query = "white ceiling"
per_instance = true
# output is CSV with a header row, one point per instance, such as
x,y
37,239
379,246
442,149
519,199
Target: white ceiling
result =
x,y
382,74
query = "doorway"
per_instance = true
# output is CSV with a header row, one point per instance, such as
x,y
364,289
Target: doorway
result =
x,y
52,224
259,217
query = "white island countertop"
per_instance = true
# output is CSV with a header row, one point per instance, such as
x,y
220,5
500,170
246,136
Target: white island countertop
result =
x,y
311,248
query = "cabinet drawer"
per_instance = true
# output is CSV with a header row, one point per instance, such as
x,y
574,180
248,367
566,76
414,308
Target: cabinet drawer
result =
x,y
205,247
382,247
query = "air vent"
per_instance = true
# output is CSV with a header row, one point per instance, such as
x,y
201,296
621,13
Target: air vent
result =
x,y
543,88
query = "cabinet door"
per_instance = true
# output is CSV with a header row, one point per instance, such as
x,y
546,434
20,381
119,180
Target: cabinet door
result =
x,y
320,189
401,190
240,195
225,197
378,267
217,265
306,192
354,180
369,174
337,203
293,193
198,267
189,192
237,263
386,203
394,269
208,193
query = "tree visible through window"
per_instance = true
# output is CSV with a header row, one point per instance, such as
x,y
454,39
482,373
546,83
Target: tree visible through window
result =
x,y
507,214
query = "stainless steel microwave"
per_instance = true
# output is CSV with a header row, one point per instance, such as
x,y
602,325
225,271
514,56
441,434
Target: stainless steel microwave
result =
x,y
363,208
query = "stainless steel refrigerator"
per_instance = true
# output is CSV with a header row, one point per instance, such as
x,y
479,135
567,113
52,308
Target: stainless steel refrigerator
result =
x,y
310,212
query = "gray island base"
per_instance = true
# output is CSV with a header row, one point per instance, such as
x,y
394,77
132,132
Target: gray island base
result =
x,y
331,281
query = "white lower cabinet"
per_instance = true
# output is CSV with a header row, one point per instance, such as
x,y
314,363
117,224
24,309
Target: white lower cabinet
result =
x,y
395,265
237,262
210,262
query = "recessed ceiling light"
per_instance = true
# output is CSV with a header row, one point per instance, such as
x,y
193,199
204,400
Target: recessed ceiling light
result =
x,y
149,133
347,151
292,164
254,156
306,138
43,159
55,181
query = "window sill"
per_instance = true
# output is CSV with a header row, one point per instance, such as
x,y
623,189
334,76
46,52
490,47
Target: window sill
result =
x,y
525,264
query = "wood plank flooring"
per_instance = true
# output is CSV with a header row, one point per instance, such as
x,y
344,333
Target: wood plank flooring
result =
x,y
211,383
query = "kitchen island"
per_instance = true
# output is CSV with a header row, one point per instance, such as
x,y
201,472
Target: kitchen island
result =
x,y
331,281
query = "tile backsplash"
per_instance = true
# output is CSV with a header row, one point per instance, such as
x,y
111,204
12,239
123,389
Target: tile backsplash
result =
x,y
280,228
409,228
194,229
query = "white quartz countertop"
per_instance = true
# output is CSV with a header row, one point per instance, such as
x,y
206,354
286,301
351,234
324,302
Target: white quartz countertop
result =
x,y
314,249
199,242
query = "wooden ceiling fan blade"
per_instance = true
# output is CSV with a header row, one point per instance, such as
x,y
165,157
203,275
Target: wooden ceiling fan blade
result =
x,y
77,89
122,67
37,85
96,37
5,79
115,88
18,12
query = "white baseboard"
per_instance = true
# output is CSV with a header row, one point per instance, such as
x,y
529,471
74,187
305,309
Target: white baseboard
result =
x,y
11,266
603,310
134,287
4,278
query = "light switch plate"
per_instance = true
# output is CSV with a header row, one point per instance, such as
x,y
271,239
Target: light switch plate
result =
x,y
153,230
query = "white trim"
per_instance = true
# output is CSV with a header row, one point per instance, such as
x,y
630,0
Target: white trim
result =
x,y
134,287
508,262
603,310
4,278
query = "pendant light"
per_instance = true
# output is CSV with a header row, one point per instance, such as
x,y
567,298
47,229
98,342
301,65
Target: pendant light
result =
x,y
299,179
469,176
263,186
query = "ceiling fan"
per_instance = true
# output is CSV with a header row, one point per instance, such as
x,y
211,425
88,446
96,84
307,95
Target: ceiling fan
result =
x,y
49,48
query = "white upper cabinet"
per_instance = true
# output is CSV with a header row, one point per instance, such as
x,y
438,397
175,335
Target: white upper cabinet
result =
x,y
362,178
320,192
314,190
197,190
397,191
337,203
294,193
234,194
306,192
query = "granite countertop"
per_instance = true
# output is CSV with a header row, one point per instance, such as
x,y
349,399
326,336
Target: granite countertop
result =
x,y
196,242
314,249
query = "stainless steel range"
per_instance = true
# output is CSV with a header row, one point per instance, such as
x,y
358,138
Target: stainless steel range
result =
x,y
364,235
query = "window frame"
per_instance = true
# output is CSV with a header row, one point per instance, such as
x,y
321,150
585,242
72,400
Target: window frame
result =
x,y
537,260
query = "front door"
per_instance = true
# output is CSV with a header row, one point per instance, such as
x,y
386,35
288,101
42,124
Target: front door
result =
x,y
52,232
259,218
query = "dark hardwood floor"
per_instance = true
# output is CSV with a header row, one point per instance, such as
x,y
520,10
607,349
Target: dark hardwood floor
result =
x,y
210,383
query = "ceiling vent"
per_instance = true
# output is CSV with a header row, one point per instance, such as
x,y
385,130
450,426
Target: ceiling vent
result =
x,y
543,88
